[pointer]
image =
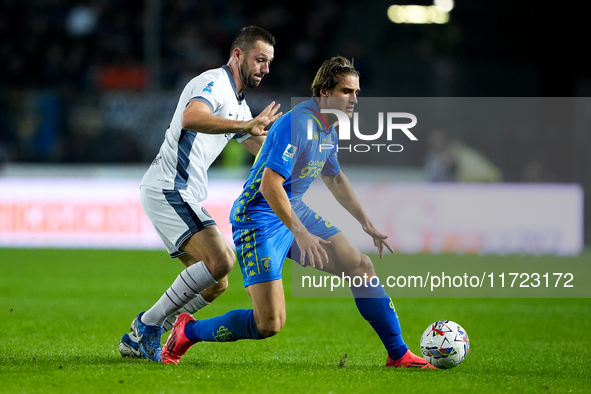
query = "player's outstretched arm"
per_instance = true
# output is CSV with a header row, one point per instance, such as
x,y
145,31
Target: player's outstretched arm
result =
x,y
310,245
198,117
254,144
341,189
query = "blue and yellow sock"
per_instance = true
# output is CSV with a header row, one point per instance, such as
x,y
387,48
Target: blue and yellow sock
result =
x,y
232,326
378,309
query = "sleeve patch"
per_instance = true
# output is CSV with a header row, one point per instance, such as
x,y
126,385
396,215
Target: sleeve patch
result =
x,y
209,87
289,152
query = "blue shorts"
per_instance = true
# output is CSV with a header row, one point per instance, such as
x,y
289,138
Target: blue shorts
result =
x,y
262,250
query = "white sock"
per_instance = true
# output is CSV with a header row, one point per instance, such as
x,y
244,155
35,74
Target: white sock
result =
x,y
193,306
192,281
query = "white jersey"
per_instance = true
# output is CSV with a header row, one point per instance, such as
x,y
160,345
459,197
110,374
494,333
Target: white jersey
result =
x,y
185,155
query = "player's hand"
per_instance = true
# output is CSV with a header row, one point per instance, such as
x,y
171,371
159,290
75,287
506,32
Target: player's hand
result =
x,y
379,239
269,115
311,247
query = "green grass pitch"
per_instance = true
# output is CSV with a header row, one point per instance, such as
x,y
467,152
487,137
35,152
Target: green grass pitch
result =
x,y
62,313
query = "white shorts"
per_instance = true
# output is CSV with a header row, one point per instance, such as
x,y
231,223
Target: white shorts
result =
x,y
175,214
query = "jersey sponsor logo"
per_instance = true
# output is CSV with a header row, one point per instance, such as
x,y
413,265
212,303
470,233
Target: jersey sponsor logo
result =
x,y
208,88
289,152
312,169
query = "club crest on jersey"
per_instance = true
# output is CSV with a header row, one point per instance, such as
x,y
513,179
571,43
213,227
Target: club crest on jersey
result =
x,y
289,152
266,263
205,212
208,87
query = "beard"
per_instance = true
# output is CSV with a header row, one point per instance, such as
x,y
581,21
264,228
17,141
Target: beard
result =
x,y
247,78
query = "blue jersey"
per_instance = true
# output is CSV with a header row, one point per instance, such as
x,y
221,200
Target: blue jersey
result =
x,y
288,151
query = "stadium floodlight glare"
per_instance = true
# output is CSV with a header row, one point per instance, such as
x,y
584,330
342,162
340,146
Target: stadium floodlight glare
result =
x,y
444,5
418,14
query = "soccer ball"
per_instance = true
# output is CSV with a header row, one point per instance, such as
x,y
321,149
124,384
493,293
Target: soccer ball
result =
x,y
445,344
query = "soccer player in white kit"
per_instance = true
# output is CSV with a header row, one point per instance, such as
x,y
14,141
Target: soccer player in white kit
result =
x,y
211,110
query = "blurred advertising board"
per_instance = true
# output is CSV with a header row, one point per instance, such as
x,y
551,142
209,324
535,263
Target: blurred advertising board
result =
x,y
89,213
417,217
496,218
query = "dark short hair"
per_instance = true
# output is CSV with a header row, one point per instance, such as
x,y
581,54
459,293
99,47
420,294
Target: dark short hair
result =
x,y
247,36
331,73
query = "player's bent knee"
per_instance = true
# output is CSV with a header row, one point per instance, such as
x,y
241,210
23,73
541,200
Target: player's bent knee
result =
x,y
271,327
228,261
221,263
365,262
359,265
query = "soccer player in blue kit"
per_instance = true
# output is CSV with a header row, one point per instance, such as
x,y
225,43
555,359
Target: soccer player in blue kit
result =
x,y
270,221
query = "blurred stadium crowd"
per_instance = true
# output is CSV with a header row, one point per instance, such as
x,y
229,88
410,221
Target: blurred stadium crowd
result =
x,y
71,70
100,44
